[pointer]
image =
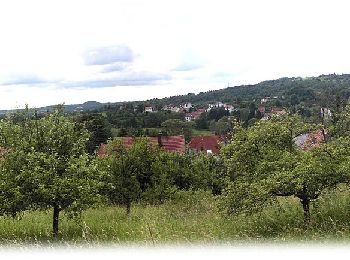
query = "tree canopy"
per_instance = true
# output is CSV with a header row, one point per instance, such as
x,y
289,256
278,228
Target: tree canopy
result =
x,y
46,165
263,162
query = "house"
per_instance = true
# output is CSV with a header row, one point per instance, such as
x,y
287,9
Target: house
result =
x,y
326,112
194,115
229,108
172,108
278,111
149,109
264,100
310,140
261,109
275,111
215,105
266,116
187,106
167,143
208,144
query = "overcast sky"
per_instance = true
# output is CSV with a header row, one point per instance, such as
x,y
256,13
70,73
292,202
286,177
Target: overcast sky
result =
x,y
74,51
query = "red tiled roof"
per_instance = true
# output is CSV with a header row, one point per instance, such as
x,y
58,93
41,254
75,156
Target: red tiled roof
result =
x,y
168,143
204,143
309,140
276,109
261,109
196,114
102,150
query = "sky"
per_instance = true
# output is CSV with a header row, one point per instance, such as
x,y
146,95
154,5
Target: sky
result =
x,y
61,51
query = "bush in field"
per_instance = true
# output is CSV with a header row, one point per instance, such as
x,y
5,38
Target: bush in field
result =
x,y
207,173
46,165
263,162
165,167
128,171
142,172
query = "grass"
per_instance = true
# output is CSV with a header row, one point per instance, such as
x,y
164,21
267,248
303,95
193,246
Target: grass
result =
x,y
192,218
197,132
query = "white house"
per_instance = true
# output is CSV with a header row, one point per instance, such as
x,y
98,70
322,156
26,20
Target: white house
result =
x,y
215,105
188,117
149,109
229,108
187,106
264,100
326,112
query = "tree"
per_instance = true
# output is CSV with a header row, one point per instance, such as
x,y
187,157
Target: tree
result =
x,y
47,156
165,168
263,162
128,171
252,110
222,126
341,128
98,126
217,113
178,127
207,173
202,121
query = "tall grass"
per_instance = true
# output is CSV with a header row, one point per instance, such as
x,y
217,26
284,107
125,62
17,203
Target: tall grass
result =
x,y
190,217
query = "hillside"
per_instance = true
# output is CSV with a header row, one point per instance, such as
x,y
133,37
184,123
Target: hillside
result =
x,y
321,90
325,90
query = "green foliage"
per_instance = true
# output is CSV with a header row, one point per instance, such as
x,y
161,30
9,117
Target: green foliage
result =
x,y
341,126
263,162
202,121
178,127
127,119
223,126
217,113
128,171
98,127
163,181
46,164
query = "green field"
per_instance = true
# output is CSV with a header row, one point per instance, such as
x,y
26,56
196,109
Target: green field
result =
x,y
197,132
192,218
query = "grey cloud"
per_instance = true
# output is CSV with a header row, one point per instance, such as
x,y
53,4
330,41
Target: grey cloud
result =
x,y
24,80
117,66
123,78
130,79
108,55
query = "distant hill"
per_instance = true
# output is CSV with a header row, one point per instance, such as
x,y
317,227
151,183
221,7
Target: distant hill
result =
x,y
324,90
309,89
87,106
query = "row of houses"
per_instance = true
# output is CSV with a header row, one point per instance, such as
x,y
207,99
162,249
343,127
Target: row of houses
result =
x,y
211,144
194,115
227,107
208,144
267,99
275,111
187,107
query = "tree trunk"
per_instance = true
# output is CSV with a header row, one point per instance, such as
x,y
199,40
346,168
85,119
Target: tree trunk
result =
x,y
306,208
56,213
128,209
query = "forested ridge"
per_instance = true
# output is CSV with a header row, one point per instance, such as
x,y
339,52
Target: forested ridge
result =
x,y
311,90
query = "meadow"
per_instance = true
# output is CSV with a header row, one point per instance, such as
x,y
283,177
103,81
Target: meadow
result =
x,y
189,218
